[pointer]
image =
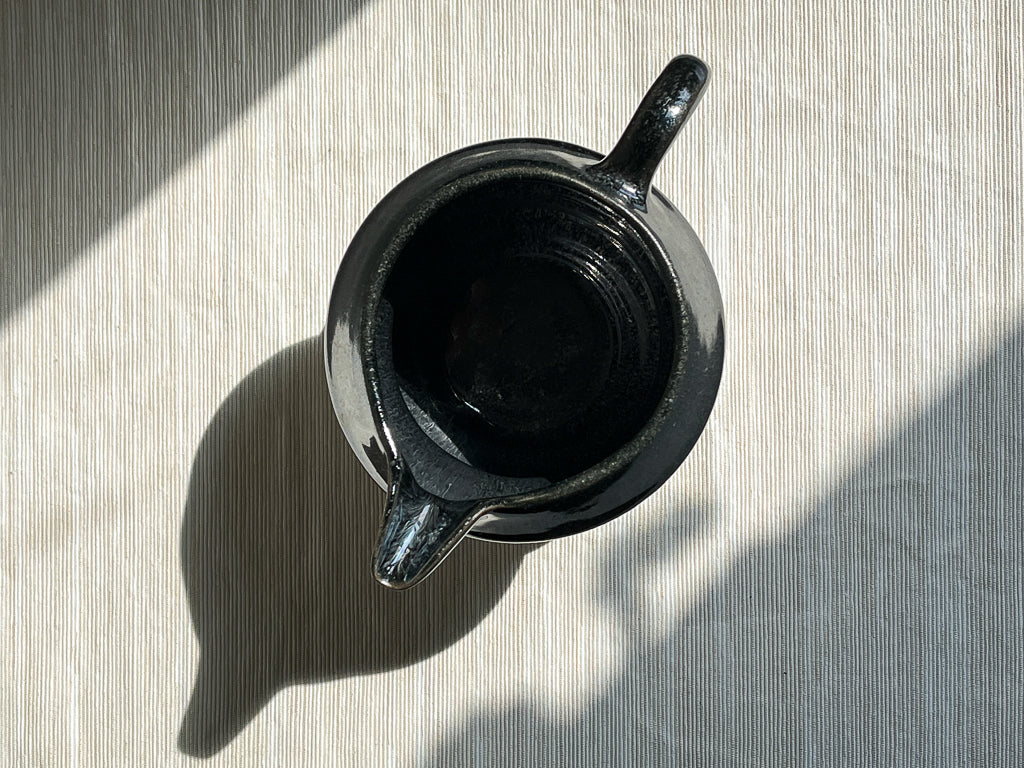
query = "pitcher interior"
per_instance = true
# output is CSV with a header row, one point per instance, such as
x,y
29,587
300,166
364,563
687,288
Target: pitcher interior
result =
x,y
530,329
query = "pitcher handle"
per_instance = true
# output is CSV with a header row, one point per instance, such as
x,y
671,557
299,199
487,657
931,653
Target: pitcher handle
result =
x,y
630,166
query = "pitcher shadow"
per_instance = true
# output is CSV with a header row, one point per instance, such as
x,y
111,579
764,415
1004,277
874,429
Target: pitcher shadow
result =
x,y
279,528
885,629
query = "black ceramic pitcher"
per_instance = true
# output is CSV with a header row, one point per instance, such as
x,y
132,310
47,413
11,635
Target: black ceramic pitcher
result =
x,y
524,339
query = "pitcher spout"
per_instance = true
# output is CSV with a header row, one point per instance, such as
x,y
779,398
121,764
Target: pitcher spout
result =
x,y
419,530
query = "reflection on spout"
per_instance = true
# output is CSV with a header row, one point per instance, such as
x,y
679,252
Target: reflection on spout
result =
x,y
419,530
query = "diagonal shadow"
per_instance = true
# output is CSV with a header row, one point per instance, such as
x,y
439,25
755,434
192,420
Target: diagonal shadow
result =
x,y
887,630
276,542
102,101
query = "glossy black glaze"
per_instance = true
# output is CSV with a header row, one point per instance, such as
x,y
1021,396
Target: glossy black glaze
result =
x,y
526,339
654,126
539,339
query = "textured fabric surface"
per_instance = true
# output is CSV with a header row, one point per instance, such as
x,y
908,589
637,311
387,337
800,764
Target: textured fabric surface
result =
x,y
834,577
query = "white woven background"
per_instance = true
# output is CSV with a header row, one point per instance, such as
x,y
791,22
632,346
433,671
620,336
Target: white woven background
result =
x,y
834,577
